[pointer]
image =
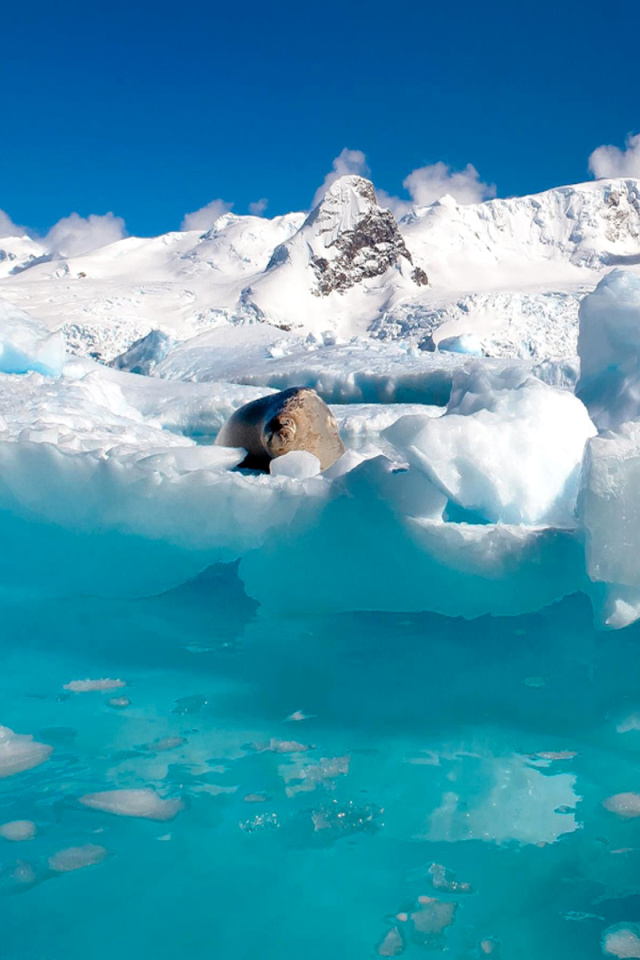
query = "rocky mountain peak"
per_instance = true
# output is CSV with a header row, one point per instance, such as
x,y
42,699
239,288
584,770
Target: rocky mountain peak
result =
x,y
352,238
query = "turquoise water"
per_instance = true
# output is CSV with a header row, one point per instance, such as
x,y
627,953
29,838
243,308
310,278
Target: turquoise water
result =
x,y
424,739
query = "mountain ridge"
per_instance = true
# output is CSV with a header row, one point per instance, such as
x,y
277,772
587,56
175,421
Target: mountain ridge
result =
x,y
511,271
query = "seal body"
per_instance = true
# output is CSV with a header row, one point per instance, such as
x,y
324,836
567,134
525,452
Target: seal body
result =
x,y
295,419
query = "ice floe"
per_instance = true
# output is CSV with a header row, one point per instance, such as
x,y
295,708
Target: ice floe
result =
x,y
142,802
75,858
18,830
622,941
19,752
88,686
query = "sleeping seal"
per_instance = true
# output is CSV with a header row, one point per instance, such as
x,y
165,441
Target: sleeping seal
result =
x,y
295,419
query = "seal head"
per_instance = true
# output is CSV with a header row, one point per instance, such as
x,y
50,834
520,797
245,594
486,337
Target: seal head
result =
x,y
295,419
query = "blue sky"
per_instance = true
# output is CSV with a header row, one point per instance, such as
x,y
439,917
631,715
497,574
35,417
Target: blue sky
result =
x,y
152,111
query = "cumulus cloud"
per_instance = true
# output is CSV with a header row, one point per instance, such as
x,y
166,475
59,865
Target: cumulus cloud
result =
x,y
258,207
347,162
75,235
427,184
204,218
608,161
8,228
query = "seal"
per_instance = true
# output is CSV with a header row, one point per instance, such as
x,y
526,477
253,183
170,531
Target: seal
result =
x,y
295,419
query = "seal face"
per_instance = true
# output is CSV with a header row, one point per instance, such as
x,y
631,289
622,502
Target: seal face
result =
x,y
295,419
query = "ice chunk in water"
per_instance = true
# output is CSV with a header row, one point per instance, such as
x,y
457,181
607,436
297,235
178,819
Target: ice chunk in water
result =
x,y
430,920
18,830
75,858
622,941
143,803
87,686
392,945
509,453
626,805
20,752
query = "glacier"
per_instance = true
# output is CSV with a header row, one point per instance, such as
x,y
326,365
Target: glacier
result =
x,y
350,704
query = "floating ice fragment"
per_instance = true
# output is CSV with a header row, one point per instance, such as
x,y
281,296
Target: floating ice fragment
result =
x,y
344,820
392,945
579,915
430,921
262,821
20,752
119,703
18,830
489,947
444,879
288,746
256,797
143,803
75,858
632,722
88,686
164,744
622,941
24,873
626,805
299,715
310,775
535,682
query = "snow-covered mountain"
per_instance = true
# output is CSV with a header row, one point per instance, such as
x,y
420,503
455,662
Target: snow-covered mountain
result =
x,y
511,272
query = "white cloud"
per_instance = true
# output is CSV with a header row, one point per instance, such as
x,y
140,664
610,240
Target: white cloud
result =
x,y
608,161
75,235
427,184
204,218
347,162
397,206
258,207
8,228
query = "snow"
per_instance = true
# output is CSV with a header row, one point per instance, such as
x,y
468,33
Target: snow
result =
x,y
508,272
142,802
